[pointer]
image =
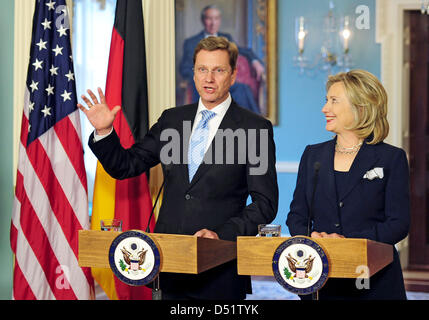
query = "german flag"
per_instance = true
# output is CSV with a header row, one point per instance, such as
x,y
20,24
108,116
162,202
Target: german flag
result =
x,y
126,86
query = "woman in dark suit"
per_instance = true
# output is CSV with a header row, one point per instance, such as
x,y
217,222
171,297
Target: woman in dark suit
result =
x,y
362,190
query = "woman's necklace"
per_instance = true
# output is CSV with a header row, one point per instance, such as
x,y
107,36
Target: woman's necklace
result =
x,y
340,149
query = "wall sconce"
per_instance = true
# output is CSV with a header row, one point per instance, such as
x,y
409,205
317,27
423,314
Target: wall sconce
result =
x,y
300,33
345,60
424,7
335,49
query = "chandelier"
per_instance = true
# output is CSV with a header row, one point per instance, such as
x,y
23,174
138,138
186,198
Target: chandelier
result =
x,y
334,55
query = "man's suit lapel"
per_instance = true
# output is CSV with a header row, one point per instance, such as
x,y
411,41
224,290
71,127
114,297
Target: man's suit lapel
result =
x,y
231,121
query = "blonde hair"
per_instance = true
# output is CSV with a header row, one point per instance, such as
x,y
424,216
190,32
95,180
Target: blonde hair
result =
x,y
218,43
369,103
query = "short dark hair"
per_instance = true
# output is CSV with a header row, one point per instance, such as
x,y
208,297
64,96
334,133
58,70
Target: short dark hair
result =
x,y
210,6
218,43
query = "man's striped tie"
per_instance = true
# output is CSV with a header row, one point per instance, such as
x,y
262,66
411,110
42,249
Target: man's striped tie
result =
x,y
198,142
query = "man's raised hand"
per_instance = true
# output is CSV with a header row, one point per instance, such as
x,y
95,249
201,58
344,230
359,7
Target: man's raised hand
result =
x,y
99,114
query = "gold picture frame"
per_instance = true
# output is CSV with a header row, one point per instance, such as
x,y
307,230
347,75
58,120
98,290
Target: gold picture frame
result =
x,y
272,78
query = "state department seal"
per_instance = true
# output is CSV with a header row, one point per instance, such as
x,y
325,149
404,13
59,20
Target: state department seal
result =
x,y
300,265
134,258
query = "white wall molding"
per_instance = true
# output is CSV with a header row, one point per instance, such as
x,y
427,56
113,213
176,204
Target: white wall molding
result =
x,y
395,76
390,34
159,20
24,11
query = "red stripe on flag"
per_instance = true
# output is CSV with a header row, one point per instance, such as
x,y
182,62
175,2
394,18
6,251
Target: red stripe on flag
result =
x,y
23,292
39,243
24,130
72,145
13,237
57,199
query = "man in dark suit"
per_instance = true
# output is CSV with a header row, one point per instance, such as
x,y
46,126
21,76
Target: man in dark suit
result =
x,y
211,18
205,192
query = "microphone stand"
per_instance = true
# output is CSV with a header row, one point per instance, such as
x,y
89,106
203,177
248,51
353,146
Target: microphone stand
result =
x,y
154,205
156,290
310,213
315,295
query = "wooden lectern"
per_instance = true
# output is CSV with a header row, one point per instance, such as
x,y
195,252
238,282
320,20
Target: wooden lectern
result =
x,y
255,256
179,253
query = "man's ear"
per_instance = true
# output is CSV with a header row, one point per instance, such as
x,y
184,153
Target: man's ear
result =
x,y
233,76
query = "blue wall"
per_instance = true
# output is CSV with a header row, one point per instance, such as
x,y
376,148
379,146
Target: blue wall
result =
x,y
6,143
301,97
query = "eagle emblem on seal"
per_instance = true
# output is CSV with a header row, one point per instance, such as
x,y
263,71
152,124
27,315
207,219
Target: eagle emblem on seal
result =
x,y
300,265
300,268
134,258
133,261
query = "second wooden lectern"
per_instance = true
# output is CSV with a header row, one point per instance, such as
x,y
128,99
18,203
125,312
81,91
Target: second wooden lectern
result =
x,y
345,256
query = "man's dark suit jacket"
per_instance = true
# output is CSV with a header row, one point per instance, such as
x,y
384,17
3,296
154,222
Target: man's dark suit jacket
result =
x,y
377,209
215,199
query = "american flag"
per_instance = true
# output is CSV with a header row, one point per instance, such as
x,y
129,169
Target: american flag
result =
x,y
51,201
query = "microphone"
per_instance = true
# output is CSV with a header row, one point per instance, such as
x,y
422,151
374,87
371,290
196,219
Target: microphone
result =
x,y
167,171
316,168
156,290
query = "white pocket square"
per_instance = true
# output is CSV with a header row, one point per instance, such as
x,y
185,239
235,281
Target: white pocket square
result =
x,y
374,173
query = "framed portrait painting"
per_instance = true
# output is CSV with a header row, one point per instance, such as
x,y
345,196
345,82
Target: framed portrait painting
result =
x,y
252,25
